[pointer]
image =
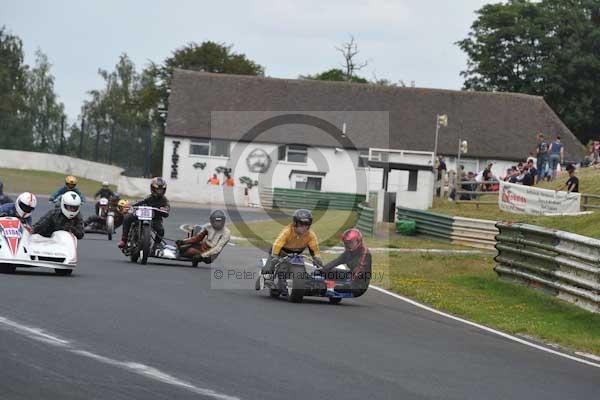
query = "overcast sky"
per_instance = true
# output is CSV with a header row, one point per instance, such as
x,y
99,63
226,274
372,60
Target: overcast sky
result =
x,y
409,40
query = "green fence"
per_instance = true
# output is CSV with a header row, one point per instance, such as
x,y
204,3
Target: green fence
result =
x,y
366,220
316,200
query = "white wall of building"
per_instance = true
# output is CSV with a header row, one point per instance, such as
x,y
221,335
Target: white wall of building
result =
x,y
340,167
422,198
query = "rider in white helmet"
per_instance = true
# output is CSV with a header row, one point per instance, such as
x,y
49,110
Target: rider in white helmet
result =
x,y
22,208
66,218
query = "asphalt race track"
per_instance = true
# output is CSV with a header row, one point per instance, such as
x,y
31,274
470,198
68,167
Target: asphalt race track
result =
x,y
117,330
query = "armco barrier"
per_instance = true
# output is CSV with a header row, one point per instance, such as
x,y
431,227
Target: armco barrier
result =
x,y
563,264
428,223
366,220
463,231
316,200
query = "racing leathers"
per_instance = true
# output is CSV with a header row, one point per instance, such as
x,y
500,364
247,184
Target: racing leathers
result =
x,y
9,210
206,245
55,220
57,195
290,242
157,221
359,263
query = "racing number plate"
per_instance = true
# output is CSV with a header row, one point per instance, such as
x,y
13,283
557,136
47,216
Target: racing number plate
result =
x,y
144,213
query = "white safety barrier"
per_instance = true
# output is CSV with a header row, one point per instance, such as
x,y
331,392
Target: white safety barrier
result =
x,y
27,160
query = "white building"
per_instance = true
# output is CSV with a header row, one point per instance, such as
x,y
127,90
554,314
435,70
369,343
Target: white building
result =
x,y
302,134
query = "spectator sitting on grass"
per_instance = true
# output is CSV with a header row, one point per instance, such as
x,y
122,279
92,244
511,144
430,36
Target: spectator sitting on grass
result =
x,y
572,184
532,171
528,177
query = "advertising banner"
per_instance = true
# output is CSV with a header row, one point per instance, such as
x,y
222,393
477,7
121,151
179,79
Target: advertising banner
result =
x,y
523,199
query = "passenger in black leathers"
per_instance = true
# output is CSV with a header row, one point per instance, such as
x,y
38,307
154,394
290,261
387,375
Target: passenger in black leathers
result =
x,y
357,257
157,199
66,218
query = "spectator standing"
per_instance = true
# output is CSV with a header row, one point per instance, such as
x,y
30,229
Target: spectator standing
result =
x,y
441,174
229,181
452,185
557,154
487,176
572,184
214,180
542,155
462,175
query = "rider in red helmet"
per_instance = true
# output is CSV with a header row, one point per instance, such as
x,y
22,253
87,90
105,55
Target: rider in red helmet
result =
x,y
357,257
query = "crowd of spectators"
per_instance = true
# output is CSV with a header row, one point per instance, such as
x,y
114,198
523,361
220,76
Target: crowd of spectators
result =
x,y
543,164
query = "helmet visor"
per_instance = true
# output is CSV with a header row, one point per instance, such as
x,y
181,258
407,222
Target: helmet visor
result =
x,y
351,244
71,208
26,208
217,223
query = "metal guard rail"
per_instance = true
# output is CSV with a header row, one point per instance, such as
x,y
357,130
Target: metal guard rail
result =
x,y
463,231
563,264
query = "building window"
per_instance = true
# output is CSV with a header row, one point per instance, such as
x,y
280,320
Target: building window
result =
x,y
363,159
297,153
308,182
219,148
199,147
215,148
412,180
292,153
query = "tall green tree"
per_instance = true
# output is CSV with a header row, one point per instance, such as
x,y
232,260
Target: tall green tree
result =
x,y
14,132
44,112
549,48
208,56
119,118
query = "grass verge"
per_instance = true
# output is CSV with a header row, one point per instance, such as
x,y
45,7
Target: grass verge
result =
x,y
42,182
467,286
